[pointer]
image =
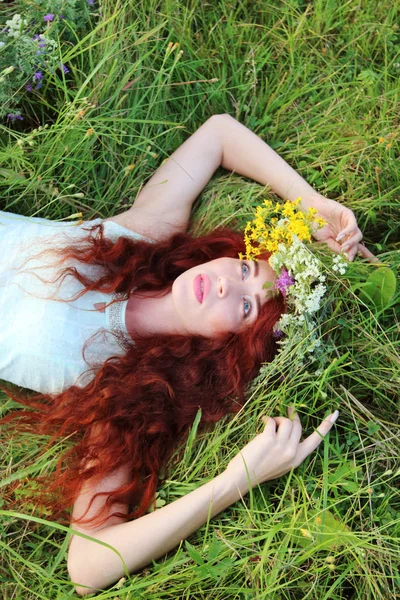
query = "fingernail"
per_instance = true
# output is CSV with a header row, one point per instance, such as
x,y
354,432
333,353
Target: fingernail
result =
x,y
340,237
344,248
334,416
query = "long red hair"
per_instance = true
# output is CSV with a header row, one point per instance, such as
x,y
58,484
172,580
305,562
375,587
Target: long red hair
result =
x,y
144,402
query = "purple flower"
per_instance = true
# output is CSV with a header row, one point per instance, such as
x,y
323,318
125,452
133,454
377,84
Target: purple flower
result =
x,y
38,76
28,87
38,38
90,2
278,334
284,281
48,18
64,68
16,117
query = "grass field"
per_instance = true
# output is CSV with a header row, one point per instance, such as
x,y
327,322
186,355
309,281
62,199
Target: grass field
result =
x,y
319,81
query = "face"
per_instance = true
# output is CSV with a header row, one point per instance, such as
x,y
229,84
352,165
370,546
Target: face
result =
x,y
223,295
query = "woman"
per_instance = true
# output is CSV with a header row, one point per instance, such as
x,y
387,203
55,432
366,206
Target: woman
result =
x,y
201,324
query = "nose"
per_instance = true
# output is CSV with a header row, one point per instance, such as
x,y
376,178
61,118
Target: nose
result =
x,y
222,287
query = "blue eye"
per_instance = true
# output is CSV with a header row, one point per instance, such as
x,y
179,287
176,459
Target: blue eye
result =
x,y
246,307
245,270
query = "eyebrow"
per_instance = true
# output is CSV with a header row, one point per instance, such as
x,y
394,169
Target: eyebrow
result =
x,y
258,302
257,296
256,269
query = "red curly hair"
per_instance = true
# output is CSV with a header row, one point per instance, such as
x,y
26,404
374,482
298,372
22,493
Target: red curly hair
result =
x,y
145,401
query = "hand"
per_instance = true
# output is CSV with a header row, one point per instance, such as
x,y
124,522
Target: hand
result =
x,y
275,451
341,233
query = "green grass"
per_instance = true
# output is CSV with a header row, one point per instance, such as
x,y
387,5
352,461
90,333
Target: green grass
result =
x,y
319,81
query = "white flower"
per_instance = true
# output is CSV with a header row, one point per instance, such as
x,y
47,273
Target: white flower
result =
x,y
15,26
303,298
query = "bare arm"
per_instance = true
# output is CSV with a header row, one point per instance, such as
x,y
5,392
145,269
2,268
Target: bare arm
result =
x,y
269,455
165,202
163,205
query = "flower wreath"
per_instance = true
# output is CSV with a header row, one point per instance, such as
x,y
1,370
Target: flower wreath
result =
x,y
283,230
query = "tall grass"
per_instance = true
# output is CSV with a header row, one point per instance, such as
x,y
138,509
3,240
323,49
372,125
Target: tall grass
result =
x,y
319,81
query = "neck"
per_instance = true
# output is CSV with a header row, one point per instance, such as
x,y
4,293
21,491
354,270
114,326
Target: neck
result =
x,y
148,315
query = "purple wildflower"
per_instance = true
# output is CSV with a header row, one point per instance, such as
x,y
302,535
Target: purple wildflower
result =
x,y
64,68
38,38
278,334
90,2
38,76
284,281
28,87
16,117
48,18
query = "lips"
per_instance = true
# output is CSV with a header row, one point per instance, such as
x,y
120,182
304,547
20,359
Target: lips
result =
x,y
201,286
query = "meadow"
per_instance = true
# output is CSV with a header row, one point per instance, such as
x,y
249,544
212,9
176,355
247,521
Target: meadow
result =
x,y
94,95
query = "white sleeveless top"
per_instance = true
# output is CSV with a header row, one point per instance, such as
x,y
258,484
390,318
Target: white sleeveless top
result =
x,y
42,339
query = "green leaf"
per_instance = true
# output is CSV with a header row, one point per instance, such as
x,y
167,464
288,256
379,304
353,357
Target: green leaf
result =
x,y
373,427
191,437
216,546
379,288
11,175
322,530
194,555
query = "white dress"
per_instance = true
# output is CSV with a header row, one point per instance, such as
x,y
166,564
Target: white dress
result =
x,y
42,338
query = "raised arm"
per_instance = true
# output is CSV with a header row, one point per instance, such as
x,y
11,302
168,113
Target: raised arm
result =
x,y
268,456
163,205
165,202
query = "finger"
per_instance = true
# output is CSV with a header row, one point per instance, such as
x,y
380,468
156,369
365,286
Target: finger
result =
x,y
295,435
285,427
339,249
333,245
351,254
270,426
352,241
314,440
350,227
365,253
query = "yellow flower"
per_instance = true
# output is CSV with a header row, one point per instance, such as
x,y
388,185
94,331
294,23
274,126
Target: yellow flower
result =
x,y
288,210
305,533
265,232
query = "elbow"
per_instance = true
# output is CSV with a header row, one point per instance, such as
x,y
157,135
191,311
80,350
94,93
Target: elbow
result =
x,y
220,118
218,125
82,580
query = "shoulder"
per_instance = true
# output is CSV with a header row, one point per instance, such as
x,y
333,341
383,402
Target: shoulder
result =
x,y
122,225
114,229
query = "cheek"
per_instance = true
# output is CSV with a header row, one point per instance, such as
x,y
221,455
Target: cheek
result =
x,y
225,319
